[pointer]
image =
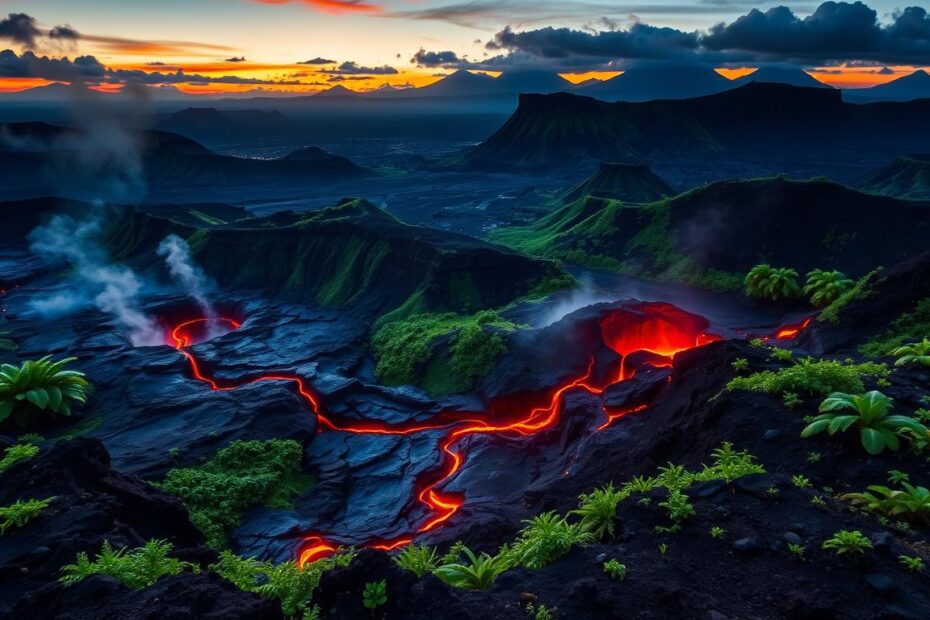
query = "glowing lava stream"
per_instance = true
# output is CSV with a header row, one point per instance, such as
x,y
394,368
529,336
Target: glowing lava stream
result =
x,y
443,505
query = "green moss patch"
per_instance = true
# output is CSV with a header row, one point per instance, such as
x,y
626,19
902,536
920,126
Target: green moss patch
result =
x,y
811,376
910,326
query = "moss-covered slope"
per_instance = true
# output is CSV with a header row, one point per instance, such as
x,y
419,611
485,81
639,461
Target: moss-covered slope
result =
x,y
727,227
906,177
627,182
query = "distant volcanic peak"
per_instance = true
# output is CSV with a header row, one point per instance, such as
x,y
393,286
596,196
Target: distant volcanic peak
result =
x,y
309,153
627,181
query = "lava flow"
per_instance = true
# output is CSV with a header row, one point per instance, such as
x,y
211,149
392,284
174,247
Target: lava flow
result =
x,y
660,329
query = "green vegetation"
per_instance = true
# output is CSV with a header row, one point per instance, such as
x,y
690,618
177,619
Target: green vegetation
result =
x,y
912,563
797,550
546,538
40,385
402,348
908,502
914,353
139,568
862,289
740,364
846,541
375,594
242,475
869,414
292,585
909,327
418,559
538,611
774,283
615,570
811,376
801,482
16,453
21,512
476,573
825,287
598,511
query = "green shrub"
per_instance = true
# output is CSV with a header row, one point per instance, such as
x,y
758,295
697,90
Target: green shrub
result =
x,y
912,563
767,282
242,475
869,414
811,376
287,582
908,502
375,594
729,465
403,347
139,568
678,507
21,512
418,559
825,287
914,353
40,385
615,570
17,453
598,511
546,538
861,290
846,541
477,573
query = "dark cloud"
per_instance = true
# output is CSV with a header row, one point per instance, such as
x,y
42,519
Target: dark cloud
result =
x,y
87,69
446,58
352,68
20,29
317,61
64,33
236,59
347,78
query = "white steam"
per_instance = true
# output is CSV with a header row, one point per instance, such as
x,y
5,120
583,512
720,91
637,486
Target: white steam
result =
x,y
189,275
114,288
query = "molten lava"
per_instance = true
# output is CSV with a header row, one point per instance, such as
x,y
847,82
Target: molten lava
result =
x,y
791,331
657,328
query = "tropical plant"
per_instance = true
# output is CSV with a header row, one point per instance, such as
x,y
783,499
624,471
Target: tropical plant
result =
x,y
615,570
598,511
909,502
538,611
16,453
914,353
797,550
138,568
801,482
639,484
418,559
877,429
717,532
454,554
546,538
846,541
914,563
678,506
478,573
739,364
775,283
896,476
729,464
825,287
21,512
40,385
375,594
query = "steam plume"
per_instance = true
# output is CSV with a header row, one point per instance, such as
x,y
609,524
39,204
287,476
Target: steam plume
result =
x,y
189,275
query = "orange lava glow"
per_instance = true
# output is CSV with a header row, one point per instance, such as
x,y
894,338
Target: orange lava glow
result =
x,y
790,332
659,328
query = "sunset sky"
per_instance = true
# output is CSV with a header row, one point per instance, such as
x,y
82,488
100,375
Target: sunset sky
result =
x,y
237,45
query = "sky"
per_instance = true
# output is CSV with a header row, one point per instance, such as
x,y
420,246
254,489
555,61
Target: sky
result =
x,y
309,45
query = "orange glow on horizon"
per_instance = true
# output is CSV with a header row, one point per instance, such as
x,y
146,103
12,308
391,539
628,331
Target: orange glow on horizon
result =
x,y
578,78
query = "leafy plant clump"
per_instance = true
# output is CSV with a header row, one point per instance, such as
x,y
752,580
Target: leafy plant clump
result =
x,y
615,570
774,283
825,287
868,413
16,453
811,376
418,559
862,289
40,386
846,541
476,572
21,512
546,538
287,582
404,347
375,594
910,326
242,475
908,502
598,511
915,353
139,568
